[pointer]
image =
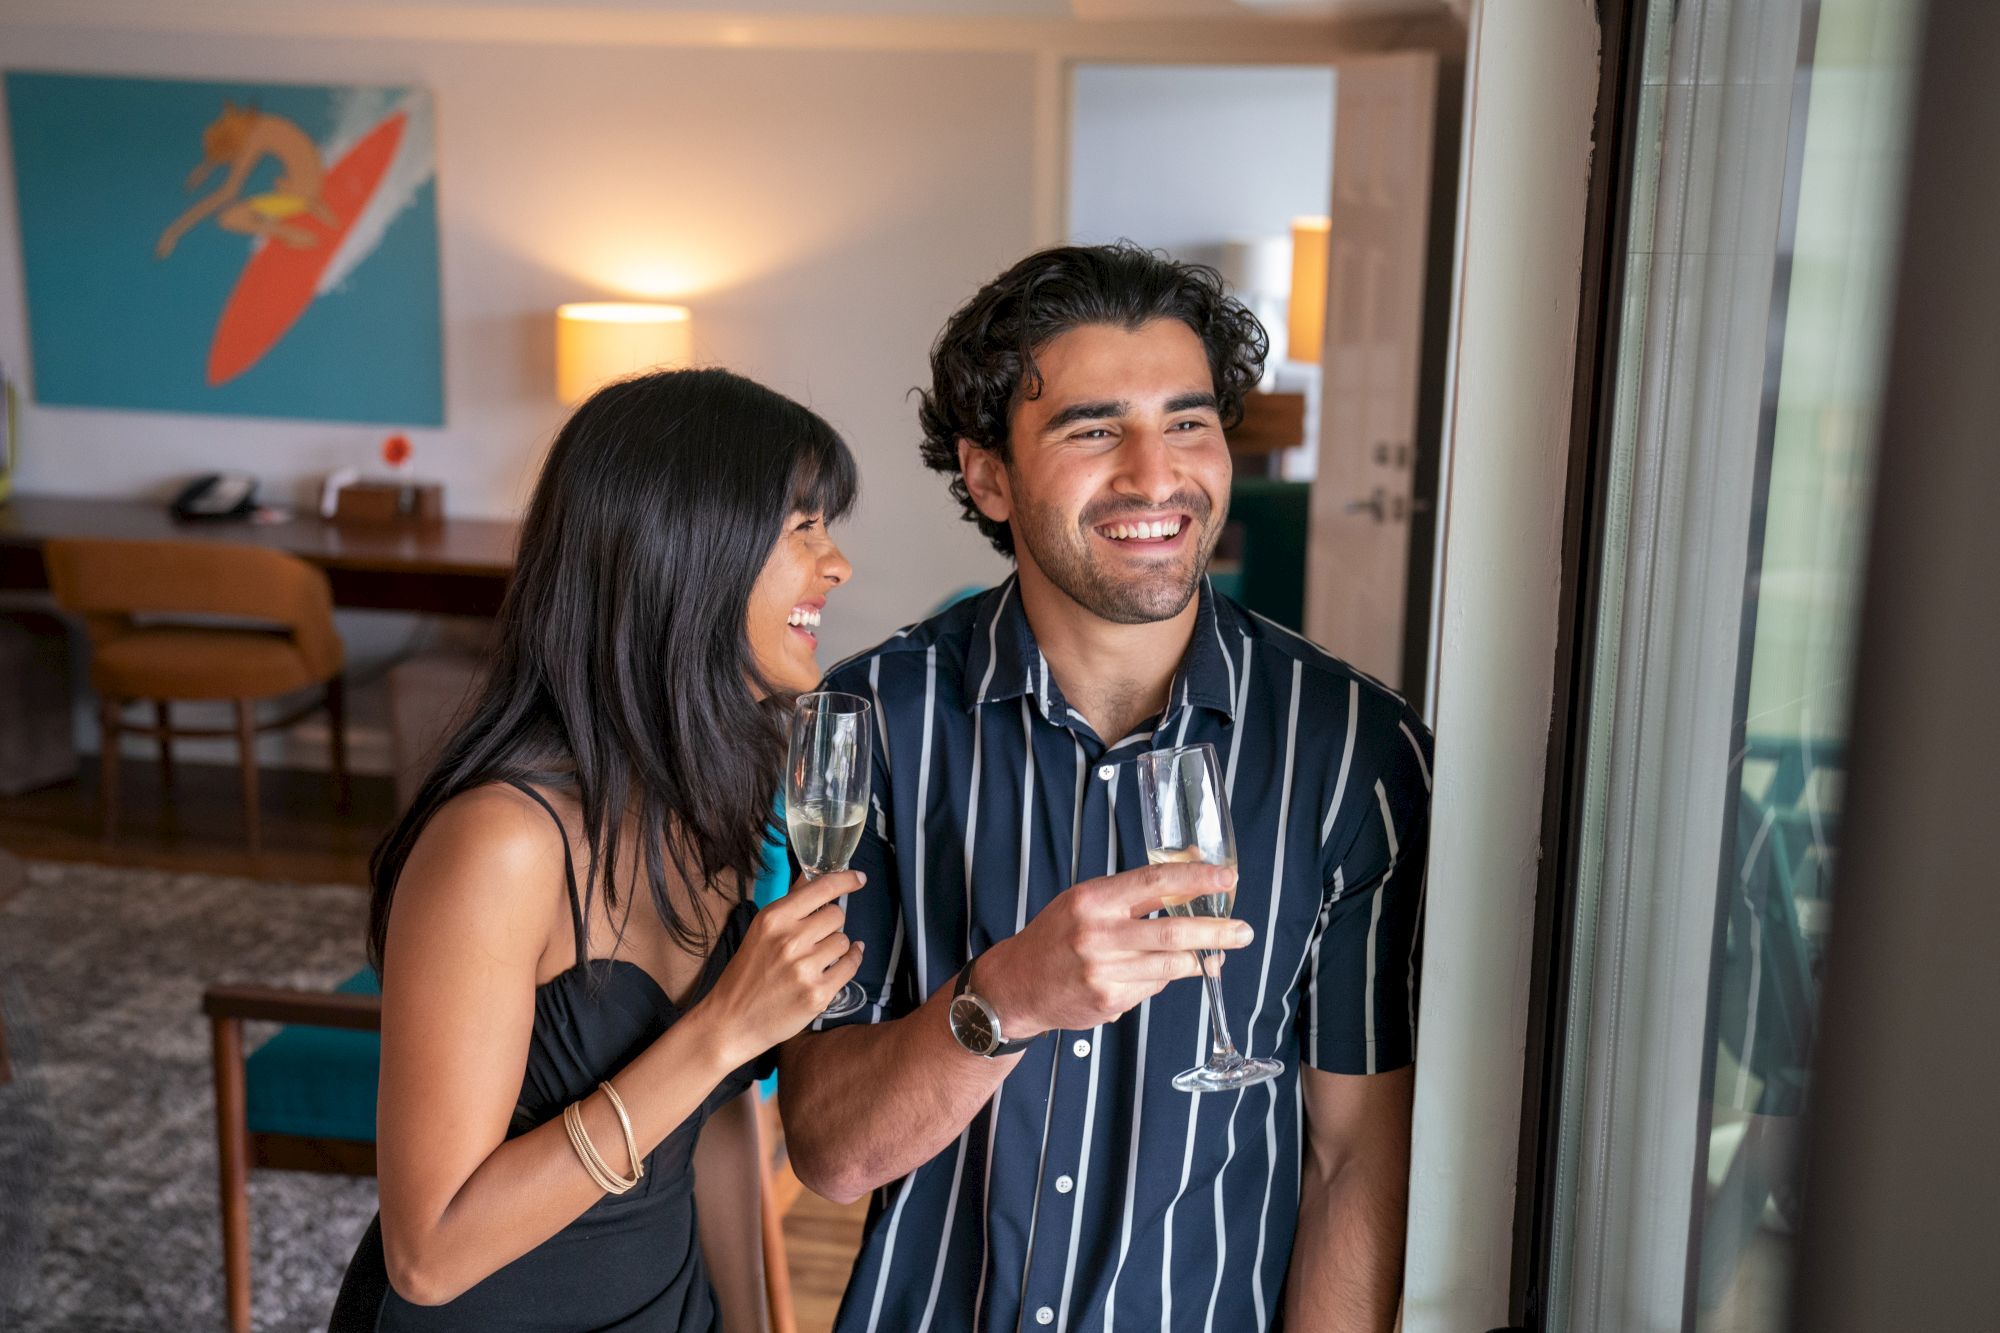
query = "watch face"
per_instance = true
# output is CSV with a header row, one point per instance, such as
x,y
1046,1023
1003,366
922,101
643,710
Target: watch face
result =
x,y
971,1025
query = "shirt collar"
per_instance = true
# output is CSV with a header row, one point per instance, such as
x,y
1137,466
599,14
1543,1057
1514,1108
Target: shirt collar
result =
x,y
1004,661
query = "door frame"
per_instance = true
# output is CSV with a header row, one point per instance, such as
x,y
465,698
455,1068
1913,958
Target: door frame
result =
x,y
1607,238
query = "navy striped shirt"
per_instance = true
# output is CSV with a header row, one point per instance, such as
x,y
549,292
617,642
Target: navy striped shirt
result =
x,y
1089,1194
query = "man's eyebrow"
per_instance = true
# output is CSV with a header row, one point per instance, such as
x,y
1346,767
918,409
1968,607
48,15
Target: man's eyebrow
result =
x,y
1075,412
1187,402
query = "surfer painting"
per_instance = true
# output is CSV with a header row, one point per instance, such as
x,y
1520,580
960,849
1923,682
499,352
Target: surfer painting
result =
x,y
311,211
292,273
240,138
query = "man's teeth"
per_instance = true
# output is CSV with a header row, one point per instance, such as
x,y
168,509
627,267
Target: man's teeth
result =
x,y
1166,527
801,616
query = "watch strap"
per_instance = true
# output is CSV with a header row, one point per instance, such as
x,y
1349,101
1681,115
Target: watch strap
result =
x,y
1005,1047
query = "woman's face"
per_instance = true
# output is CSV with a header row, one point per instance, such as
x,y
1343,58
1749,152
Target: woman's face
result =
x,y
785,605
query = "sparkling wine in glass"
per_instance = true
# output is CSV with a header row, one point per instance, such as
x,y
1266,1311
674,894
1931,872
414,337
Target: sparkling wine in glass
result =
x,y
1186,818
826,795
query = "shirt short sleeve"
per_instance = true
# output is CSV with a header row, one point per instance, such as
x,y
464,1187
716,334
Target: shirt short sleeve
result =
x,y
1359,1011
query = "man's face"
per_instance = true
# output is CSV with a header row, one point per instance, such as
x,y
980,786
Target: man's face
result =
x,y
1118,482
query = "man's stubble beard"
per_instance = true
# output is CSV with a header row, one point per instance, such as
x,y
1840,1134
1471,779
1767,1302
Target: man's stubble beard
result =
x,y
1062,552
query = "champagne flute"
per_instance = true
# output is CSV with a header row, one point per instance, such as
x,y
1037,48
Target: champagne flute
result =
x,y
1186,817
826,795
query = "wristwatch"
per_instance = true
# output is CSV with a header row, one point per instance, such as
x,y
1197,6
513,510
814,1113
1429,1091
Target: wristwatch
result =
x,y
976,1026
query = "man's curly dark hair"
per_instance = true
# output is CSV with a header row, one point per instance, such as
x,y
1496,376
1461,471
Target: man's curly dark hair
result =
x,y
983,363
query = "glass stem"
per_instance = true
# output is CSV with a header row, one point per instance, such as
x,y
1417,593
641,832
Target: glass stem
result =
x,y
1221,1049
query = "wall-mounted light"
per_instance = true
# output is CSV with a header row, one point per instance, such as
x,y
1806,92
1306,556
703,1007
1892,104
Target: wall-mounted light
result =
x,y
601,341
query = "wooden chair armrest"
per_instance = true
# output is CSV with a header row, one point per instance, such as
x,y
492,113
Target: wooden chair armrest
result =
x,y
274,1004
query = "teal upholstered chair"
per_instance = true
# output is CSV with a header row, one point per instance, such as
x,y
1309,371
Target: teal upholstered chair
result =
x,y
305,1101
1270,577
969,590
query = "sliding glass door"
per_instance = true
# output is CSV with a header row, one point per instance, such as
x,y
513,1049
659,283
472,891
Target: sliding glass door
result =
x,y
1765,174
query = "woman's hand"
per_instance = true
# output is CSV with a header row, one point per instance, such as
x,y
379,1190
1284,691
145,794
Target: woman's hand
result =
x,y
792,962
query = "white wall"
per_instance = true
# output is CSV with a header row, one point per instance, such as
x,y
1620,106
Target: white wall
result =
x,y
1184,157
822,190
822,212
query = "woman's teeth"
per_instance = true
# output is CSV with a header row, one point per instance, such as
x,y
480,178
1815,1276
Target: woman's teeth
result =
x,y
1168,527
803,618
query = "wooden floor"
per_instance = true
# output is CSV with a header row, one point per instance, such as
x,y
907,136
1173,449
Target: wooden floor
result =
x,y
200,830
199,827
821,1240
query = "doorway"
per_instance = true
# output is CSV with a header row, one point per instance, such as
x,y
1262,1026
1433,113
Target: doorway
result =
x,y
1322,194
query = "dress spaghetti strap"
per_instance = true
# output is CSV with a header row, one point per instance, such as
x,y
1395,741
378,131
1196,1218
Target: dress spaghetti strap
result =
x,y
569,870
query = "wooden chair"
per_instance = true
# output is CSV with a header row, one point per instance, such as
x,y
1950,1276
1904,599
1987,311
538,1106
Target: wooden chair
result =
x,y
315,1099
777,1189
175,621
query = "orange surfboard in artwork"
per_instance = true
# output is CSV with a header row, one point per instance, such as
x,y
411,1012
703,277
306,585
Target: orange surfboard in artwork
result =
x,y
280,281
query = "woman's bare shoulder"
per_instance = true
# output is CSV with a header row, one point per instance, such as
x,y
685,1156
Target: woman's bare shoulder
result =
x,y
489,859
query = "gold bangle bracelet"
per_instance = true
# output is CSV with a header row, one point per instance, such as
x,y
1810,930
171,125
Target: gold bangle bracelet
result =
x,y
573,1126
600,1170
625,1123
576,1145
579,1141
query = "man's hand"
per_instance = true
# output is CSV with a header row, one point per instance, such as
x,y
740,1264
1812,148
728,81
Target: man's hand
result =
x,y
887,1097
1094,952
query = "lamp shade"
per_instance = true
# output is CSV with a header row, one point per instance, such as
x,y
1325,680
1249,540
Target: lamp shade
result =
x,y
601,341
1306,329
1258,269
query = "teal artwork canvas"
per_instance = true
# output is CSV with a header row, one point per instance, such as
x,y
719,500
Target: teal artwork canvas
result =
x,y
253,249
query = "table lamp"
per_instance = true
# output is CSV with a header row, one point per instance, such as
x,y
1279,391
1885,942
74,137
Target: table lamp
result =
x,y
1260,273
1306,329
601,341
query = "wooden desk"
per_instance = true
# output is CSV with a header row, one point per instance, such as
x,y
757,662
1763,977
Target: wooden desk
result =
x,y
458,567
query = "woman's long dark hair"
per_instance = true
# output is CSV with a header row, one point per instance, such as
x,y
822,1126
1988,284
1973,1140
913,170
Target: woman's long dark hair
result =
x,y
624,672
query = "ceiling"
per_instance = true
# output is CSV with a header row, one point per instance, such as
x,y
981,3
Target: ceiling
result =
x,y
1112,29
971,9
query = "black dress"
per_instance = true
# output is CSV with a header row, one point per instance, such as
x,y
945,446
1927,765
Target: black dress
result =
x,y
631,1262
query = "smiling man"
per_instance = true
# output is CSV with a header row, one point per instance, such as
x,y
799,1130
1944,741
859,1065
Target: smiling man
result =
x,y
1007,1090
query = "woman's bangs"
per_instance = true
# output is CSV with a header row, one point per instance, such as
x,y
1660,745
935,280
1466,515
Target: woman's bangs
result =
x,y
823,478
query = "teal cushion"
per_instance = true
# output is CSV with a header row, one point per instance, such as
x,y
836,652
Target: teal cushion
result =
x,y
773,882
317,1082
970,590
774,877
1275,516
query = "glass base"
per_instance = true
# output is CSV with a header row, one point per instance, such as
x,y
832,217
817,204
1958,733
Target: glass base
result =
x,y
850,1000
1224,1075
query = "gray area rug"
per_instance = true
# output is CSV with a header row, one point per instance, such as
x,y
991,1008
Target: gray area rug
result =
x,y
108,1211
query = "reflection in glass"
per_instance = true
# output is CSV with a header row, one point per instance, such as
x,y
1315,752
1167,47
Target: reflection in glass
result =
x,y
1766,175
1801,598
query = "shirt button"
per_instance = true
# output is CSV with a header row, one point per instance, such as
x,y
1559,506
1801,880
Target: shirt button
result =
x,y
1106,772
1045,1315
1064,1184
1080,1047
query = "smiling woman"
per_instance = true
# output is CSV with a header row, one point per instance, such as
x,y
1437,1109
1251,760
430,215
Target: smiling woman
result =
x,y
790,596
566,905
